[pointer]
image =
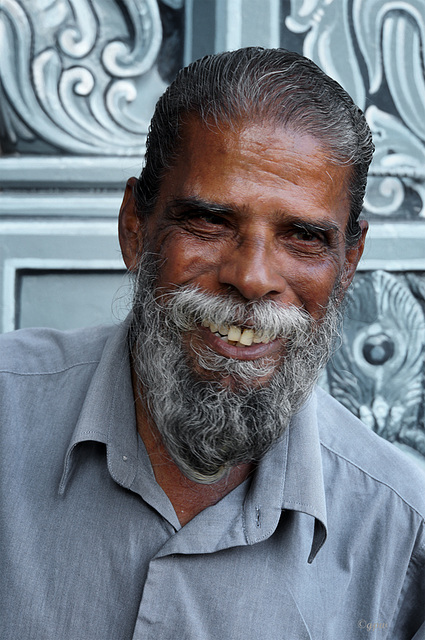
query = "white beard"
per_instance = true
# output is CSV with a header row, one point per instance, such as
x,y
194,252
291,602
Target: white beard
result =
x,y
208,427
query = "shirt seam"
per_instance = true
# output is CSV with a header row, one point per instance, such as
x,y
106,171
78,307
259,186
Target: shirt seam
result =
x,y
385,484
49,373
89,432
265,534
315,512
300,504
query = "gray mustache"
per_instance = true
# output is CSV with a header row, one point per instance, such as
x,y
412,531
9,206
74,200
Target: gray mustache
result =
x,y
188,306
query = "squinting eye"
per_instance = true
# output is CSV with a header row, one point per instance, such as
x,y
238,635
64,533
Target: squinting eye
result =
x,y
306,236
211,218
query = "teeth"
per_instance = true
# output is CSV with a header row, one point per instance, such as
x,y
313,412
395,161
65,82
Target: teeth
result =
x,y
236,335
247,337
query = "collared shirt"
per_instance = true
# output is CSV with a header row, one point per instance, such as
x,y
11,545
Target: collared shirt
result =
x,y
325,541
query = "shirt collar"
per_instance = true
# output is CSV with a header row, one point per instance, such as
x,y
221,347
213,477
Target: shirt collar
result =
x,y
304,483
108,412
289,477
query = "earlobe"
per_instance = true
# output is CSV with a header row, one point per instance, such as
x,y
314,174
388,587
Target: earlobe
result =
x,y
129,228
353,255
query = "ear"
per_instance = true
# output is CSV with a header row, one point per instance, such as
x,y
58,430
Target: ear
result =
x,y
353,255
130,228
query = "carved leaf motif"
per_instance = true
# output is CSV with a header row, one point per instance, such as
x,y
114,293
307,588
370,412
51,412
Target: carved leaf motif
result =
x,y
92,107
15,48
78,40
390,35
379,369
395,19
384,196
407,89
328,41
417,286
122,61
398,149
398,153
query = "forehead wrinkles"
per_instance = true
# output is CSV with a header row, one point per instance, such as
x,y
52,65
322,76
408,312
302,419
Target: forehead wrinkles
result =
x,y
251,153
259,139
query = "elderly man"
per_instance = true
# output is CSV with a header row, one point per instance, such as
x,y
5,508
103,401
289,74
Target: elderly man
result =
x,y
179,477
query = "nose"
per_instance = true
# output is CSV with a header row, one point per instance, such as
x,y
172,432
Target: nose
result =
x,y
251,269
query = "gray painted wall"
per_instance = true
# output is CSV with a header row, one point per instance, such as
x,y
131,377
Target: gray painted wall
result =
x,y
79,79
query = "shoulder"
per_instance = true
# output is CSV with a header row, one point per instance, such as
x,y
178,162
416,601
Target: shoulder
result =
x,y
349,445
44,350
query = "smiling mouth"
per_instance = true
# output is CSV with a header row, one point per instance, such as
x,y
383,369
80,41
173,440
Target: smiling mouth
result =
x,y
238,336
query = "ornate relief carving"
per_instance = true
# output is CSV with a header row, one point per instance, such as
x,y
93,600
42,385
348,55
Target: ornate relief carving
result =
x,y
376,50
328,40
79,75
390,36
378,373
394,169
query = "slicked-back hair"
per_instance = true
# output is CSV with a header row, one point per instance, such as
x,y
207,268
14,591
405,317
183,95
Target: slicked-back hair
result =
x,y
256,85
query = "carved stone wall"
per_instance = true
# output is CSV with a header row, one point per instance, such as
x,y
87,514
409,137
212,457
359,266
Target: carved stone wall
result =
x,y
378,372
81,76
78,82
376,50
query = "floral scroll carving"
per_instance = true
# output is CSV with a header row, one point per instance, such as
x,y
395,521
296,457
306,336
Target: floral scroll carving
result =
x,y
79,76
376,50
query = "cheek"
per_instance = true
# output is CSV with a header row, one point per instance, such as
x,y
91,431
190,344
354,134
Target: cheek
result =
x,y
313,285
187,260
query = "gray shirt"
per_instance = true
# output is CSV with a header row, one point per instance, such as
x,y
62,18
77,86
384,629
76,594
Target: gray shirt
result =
x,y
325,541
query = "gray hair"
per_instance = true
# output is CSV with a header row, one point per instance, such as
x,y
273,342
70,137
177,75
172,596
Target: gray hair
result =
x,y
266,85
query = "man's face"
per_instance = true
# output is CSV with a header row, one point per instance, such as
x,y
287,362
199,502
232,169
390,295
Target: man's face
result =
x,y
257,213
248,233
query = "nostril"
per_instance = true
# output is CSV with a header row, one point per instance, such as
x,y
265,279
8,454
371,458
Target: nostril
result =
x,y
251,271
252,285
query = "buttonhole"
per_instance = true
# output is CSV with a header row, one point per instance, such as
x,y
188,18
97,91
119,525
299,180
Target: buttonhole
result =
x,y
258,516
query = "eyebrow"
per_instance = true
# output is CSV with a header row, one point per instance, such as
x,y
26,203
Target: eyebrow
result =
x,y
322,226
198,204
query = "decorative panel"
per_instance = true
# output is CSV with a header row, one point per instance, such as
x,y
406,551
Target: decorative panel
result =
x,y
82,76
78,84
376,50
378,371
63,274
87,297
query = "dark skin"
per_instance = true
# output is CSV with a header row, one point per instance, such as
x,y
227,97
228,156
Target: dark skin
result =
x,y
256,210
